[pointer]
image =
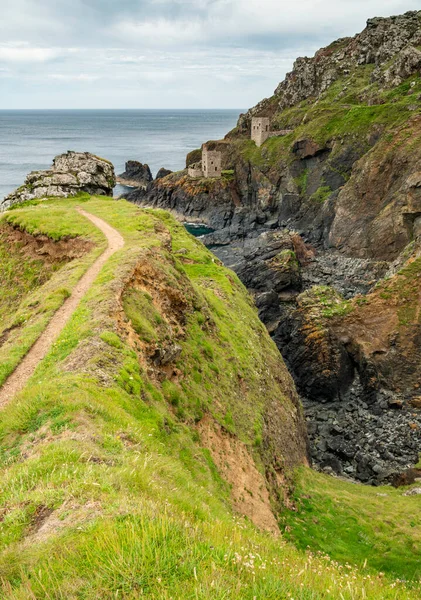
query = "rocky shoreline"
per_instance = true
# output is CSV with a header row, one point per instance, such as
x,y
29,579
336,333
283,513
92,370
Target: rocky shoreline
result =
x,y
323,226
368,435
363,434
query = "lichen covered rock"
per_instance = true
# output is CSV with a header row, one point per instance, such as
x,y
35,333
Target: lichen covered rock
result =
x,y
71,173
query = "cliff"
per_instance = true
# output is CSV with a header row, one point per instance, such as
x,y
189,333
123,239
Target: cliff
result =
x,y
165,359
135,174
329,210
152,452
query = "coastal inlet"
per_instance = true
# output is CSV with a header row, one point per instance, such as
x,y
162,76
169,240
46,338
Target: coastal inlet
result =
x,y
198,229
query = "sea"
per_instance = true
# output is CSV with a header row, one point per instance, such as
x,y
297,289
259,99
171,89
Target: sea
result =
x,y
30,139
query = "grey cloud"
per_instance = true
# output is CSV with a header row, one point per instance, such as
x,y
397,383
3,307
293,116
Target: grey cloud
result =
x,y
87,53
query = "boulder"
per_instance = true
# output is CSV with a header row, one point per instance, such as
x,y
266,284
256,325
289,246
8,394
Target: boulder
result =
x,y
414,492
71,173
306,148
406,63
416,402
136,174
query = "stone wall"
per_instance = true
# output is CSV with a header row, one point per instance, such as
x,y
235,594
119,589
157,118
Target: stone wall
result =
x,y
211,162
261,131
280,133
195,170
260,127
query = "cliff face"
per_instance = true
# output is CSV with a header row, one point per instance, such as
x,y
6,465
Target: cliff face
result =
x,y
206,200
135,174
163,395
335,204
389,44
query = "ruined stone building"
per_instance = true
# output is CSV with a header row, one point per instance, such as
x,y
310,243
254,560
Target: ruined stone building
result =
x,y
195,170
211,161
211,164
261,131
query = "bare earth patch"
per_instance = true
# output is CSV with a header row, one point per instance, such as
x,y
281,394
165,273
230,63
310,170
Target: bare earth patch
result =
x,y
235,464
44,248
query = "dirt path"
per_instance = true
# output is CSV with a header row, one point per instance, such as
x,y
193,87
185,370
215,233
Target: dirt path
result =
x,y
17,380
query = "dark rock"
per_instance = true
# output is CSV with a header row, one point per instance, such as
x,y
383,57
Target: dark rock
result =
x,y
162,173
306,148
331,462
135,174
213,204
169,354
395,403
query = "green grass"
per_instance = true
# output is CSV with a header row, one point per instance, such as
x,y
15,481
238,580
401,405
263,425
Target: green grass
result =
x,y
139,309
402,291
379,527
57,220
326,302
32,291
302,182
228,174
105,490
321,195
345,111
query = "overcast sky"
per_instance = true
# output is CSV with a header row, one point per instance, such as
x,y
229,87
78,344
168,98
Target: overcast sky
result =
x,y
164,53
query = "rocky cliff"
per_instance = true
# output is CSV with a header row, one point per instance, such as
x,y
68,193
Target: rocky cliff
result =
x,y
323,225
135,174
70,174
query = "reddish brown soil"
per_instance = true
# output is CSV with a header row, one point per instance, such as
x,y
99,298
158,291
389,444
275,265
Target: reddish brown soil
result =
x,y
43,248
249,492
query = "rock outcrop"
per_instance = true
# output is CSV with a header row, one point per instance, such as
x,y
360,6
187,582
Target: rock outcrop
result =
x,y
136,174
376,212
163,172
208,201
70,174
389,44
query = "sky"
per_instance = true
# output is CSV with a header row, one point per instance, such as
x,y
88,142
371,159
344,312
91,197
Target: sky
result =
x,y
164,53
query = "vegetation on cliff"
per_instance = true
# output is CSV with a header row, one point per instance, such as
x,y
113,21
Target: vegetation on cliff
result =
x,y
113,479
159,450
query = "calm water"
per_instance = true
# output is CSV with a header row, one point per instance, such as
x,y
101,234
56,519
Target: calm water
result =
x,y
29,140
198,229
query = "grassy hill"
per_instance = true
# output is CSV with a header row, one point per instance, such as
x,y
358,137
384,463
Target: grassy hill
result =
x,y
152,453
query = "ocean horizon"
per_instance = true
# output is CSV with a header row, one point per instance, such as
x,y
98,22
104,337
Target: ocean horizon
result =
x,y
30,139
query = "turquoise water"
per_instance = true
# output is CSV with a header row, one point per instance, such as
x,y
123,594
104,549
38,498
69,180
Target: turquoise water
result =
x,y
198,229
29,140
